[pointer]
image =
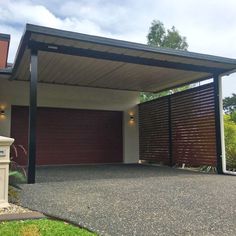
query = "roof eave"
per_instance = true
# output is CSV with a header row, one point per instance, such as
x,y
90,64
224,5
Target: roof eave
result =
x,y
125,44
20,51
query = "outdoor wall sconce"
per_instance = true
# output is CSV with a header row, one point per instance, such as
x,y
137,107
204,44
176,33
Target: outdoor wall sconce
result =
x,y
2,112
131,118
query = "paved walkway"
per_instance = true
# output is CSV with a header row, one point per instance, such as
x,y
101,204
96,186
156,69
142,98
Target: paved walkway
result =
x,y
136,200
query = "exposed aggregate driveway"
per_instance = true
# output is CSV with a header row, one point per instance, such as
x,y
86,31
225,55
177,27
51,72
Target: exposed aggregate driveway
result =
x,y
136,199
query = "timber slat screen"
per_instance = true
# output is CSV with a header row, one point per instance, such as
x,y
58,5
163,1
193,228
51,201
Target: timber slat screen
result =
x,y
192,125
154,138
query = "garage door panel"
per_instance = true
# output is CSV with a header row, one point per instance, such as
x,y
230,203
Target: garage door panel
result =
x,y
69,136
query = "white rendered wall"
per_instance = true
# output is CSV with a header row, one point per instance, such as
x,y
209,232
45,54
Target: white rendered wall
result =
x,y
17,93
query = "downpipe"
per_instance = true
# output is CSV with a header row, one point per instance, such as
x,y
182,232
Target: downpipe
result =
x,y
225,171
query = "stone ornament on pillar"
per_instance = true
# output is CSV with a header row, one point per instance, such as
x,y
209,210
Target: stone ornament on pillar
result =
x,y
5,144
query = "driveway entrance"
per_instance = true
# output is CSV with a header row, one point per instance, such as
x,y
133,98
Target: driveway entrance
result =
x,y
136,199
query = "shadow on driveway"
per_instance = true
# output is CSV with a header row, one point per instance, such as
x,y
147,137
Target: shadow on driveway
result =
x,y
108,171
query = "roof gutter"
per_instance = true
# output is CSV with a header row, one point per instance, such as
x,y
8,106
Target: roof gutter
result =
x,y
6,71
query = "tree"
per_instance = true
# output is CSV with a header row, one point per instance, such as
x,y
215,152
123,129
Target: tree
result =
x,y
230,141
229,104
158,36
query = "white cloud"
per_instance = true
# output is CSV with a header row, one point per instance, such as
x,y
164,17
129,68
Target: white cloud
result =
x,y
209,25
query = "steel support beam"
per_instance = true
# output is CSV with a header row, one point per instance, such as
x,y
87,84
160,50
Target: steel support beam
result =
x,y
218,122
82,52
32,117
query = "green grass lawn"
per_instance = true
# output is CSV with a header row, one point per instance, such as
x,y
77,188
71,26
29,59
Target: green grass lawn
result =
x,y
42,227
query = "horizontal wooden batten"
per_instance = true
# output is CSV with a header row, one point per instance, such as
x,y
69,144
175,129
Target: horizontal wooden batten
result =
x,y
194,94
191,122
154,134
193,127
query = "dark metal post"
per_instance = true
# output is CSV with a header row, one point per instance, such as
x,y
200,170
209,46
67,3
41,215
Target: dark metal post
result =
x,y
32,117
170,132
218,125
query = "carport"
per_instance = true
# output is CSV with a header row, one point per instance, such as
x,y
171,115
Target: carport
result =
x,y
57,57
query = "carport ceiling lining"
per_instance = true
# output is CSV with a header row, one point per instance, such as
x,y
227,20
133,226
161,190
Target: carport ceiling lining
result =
x,y
82,60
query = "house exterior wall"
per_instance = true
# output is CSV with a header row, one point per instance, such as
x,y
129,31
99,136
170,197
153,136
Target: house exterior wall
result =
x,y
59,96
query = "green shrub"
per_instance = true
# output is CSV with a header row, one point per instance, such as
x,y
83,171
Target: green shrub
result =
x,y
17,174
230,141
15,178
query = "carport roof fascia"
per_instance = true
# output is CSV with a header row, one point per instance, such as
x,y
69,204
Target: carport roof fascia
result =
x,y
41,30
124,44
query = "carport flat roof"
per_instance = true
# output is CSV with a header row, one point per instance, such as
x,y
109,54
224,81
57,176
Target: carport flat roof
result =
x,y
71,58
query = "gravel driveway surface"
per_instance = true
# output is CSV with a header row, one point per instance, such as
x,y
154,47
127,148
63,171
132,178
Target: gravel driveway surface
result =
x,y
136,199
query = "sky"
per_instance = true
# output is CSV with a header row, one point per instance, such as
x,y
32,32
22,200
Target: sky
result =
x,y
209,25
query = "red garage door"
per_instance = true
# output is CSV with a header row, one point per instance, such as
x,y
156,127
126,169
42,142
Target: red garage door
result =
x,y
69,136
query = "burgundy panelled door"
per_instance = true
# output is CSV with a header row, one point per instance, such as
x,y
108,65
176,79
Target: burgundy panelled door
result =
x,y
71,136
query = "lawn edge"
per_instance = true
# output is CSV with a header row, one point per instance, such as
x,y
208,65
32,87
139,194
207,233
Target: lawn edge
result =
x,y
22,216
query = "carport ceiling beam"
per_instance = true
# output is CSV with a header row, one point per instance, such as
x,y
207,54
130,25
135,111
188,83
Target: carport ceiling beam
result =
x,y
74,51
